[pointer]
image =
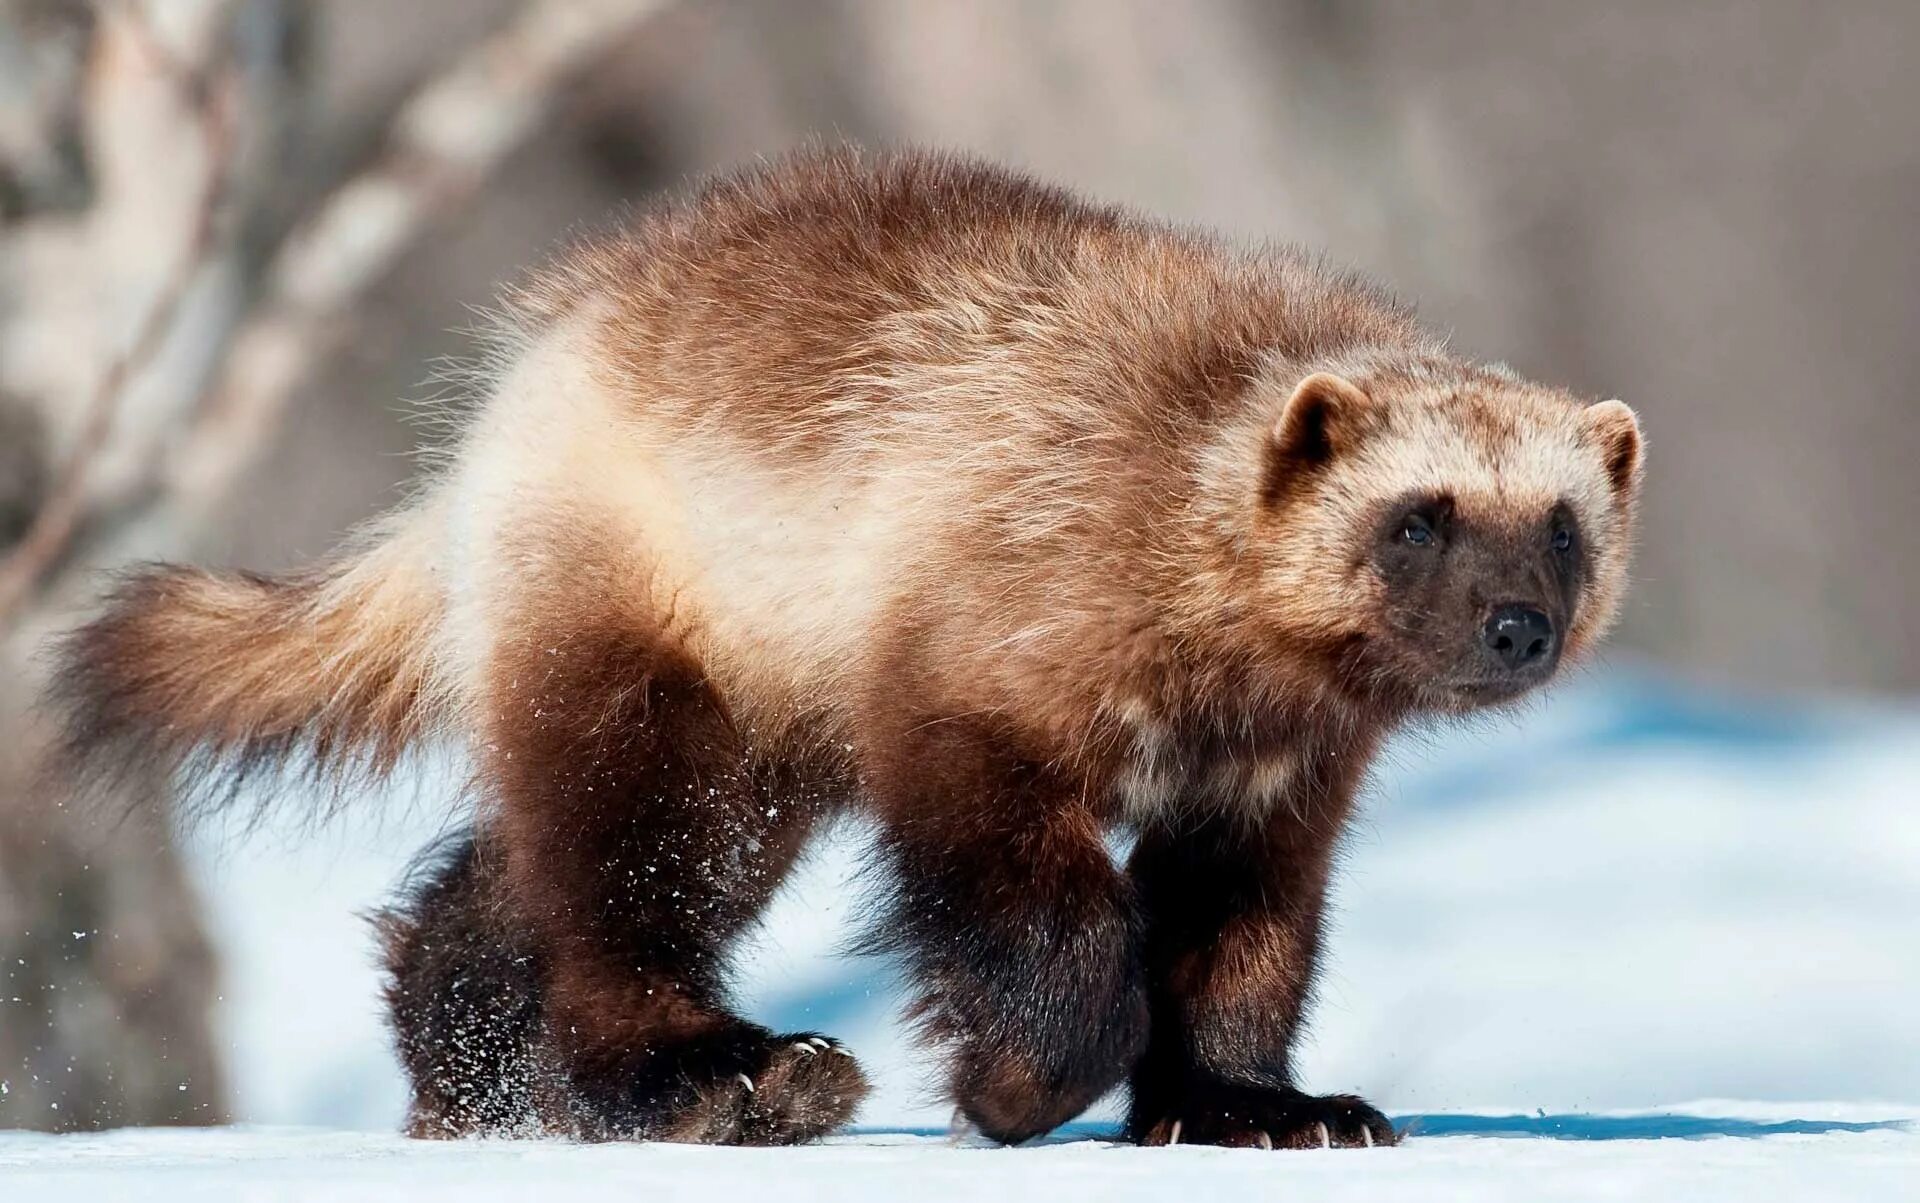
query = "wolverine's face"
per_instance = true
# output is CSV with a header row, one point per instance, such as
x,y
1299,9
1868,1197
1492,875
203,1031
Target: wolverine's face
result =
x,y
1450,541
1474,606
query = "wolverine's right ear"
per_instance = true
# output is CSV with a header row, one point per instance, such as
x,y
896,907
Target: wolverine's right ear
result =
x,y
1323,411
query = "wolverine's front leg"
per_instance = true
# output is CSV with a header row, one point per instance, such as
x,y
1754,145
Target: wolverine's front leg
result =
x,y
1021,938
1233,934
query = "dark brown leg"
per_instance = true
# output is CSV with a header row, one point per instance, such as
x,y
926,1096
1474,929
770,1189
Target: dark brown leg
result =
x,y
1233,919
637,838
1020,936
463,999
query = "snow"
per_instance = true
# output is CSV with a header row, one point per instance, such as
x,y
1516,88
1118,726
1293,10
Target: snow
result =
x,y
1633,894
299,1164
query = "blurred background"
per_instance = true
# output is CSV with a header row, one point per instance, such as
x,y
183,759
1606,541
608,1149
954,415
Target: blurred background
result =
x,y
236,235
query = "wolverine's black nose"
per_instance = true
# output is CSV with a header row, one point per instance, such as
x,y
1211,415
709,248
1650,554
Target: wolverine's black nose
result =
x,y
1520,637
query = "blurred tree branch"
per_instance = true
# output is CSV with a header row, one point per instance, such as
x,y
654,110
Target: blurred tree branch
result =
x,y
443,144
62,510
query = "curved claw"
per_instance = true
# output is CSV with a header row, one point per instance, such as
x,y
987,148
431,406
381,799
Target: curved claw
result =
x,y
1266,1141
1173,1136
819,1042
807,1048
1366,1136
747,1082
1326,1137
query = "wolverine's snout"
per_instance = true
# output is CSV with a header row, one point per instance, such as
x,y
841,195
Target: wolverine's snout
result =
x,y
1520,639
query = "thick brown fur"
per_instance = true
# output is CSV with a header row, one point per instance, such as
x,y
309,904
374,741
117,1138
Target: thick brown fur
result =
x,y
905,483
229,677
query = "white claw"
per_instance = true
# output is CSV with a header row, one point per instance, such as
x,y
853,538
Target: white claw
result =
x,y
1173,1137
806,1048
1366,1136
842,1051
746,1081
1266,1142
1326,1137
818,1042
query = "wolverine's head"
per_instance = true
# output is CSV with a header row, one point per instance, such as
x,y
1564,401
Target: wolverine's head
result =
x,y
1448,535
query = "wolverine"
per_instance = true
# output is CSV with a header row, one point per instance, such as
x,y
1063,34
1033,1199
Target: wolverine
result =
x,y
906,485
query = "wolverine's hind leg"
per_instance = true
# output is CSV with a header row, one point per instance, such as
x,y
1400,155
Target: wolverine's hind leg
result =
x,y
463,998
637,837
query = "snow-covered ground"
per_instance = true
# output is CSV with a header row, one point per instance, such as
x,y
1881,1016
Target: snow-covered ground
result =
x,y
291,1164
1632,895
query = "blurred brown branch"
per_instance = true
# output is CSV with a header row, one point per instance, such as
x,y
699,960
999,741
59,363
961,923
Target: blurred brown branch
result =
x,y
62,512
443,143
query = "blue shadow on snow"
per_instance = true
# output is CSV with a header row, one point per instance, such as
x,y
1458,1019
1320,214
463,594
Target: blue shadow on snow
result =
x,y
1551,1127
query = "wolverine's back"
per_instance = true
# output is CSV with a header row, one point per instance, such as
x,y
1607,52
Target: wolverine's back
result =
x,y
802,299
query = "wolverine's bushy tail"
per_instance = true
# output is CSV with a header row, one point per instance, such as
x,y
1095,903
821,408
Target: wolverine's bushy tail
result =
x,y
217,678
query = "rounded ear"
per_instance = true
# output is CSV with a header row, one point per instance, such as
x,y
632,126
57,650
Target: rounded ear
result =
x,y
1317,417
1615,430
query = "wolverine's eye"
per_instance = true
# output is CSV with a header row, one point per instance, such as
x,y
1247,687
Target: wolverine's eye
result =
x,y
1417,530
1562,539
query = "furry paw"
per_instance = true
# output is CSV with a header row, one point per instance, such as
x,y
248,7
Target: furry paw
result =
x,y
1248,1117
753,1089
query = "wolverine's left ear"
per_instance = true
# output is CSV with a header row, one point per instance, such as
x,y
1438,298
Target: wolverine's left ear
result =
x,y
1615,430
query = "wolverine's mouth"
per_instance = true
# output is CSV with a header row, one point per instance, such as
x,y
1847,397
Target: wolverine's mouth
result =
x,y
1486,691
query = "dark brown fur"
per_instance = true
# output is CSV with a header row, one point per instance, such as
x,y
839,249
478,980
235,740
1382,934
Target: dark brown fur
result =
x,y
463,996
1008,519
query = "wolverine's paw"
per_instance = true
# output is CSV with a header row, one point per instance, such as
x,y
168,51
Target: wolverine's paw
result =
x,y
802,1087
806,1090
1249,1117
760,1089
